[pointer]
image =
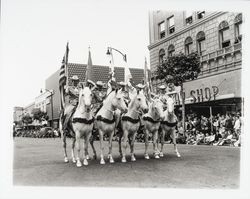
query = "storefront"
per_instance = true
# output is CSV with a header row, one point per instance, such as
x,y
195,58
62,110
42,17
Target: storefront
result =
x,y
220,93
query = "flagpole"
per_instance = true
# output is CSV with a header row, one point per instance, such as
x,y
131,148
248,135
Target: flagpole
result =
x,y
66,64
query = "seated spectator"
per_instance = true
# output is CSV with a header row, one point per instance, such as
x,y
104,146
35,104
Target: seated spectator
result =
x,y
199,138
227,140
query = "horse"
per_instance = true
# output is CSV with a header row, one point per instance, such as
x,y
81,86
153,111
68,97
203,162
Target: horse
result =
x,y
105,121
130,123
151,122
168,125
80,126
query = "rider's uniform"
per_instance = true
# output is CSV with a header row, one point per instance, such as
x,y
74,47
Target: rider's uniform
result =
x,y
98,98
73,94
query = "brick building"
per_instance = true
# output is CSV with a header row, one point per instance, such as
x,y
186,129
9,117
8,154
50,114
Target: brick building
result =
x,y
216,36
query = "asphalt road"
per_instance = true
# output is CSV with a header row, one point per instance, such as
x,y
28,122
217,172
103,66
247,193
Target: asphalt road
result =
x,y
39,162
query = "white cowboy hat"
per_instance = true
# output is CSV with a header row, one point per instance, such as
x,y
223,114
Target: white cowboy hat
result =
x,y
74,77
100,83
162,87
122,83
140,86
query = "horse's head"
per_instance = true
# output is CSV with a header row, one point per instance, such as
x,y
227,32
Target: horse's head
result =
x,y
156,108
85,98
140,101
118,101
170,105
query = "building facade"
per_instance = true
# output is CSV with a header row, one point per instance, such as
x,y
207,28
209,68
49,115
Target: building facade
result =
x,y
18,114
216,36
100,73
42,100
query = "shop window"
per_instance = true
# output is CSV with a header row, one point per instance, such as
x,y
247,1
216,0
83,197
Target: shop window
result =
x,y
162,30
224,34
188,45
171,27
200,38
189,17
171,50
161,56
238,28
200,14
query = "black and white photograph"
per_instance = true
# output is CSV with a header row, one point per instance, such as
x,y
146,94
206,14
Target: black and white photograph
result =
x,y
124,99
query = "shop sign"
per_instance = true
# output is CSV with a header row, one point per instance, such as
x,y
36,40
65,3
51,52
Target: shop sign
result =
x,y
204,94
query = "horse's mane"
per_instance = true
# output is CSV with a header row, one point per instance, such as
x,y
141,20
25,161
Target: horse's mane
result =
x,y
110,96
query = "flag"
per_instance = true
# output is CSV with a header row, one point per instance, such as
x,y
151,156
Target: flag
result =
x,y
127,74
147,79
63,78
111,65
89,69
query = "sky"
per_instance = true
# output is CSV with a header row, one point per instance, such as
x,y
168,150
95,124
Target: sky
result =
x,y
35,34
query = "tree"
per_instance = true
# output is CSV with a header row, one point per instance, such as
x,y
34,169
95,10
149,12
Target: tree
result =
x,y
39,115
27,119
177,69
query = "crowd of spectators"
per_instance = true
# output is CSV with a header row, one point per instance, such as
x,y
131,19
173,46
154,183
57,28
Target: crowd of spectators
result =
x,y
218,130
44,132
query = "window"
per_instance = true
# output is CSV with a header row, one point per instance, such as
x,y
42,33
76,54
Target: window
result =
x,y
189,17
201,42
200,14
162,30
161,56
171,27
188,44
238,28
171,50
224,34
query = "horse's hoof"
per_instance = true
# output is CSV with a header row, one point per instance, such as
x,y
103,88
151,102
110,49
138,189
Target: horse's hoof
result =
x,y
85,162
102,161
87,157
157,156
78,163
73,160
161,154
111,160
178,155
133,159
146,156
124,160
66,160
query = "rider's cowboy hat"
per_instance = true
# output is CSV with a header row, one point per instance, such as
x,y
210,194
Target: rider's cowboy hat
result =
x,y
100,83
162,87
75,78
122,83
140,86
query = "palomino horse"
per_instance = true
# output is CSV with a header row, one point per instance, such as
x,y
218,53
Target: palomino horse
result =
x,y
105,120
80,126
130,123
151,125
168,125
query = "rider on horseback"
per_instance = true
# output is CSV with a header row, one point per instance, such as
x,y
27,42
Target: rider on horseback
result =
x,y
73,93
99,96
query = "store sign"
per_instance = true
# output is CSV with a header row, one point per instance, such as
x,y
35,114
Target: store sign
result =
x,y
204,94
198,95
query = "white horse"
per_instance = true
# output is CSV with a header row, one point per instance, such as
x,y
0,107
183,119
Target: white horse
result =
x,y
80,126
105,120
130,123
168,125
152,121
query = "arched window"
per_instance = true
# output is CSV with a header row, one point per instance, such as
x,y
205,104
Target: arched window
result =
x,y
200,38
188,45
237,25
171,50
224,34
161,55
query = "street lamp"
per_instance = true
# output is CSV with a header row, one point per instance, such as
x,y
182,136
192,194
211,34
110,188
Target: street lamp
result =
x,y
51,102
109,52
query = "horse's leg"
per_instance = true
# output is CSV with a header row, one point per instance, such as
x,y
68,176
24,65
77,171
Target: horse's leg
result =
x,y
85,147
91,140
78,148
155,137
73,150
102,161
146,133
64,147
119,142
124,141
111,160
163,133
132,144
174,141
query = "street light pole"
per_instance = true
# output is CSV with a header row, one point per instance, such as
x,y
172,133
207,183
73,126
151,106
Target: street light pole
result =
x,y
109,51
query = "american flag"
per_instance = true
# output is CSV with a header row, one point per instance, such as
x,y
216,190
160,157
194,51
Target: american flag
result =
x,y
63,77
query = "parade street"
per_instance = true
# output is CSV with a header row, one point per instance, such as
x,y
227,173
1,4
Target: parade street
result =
x,y
39,162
